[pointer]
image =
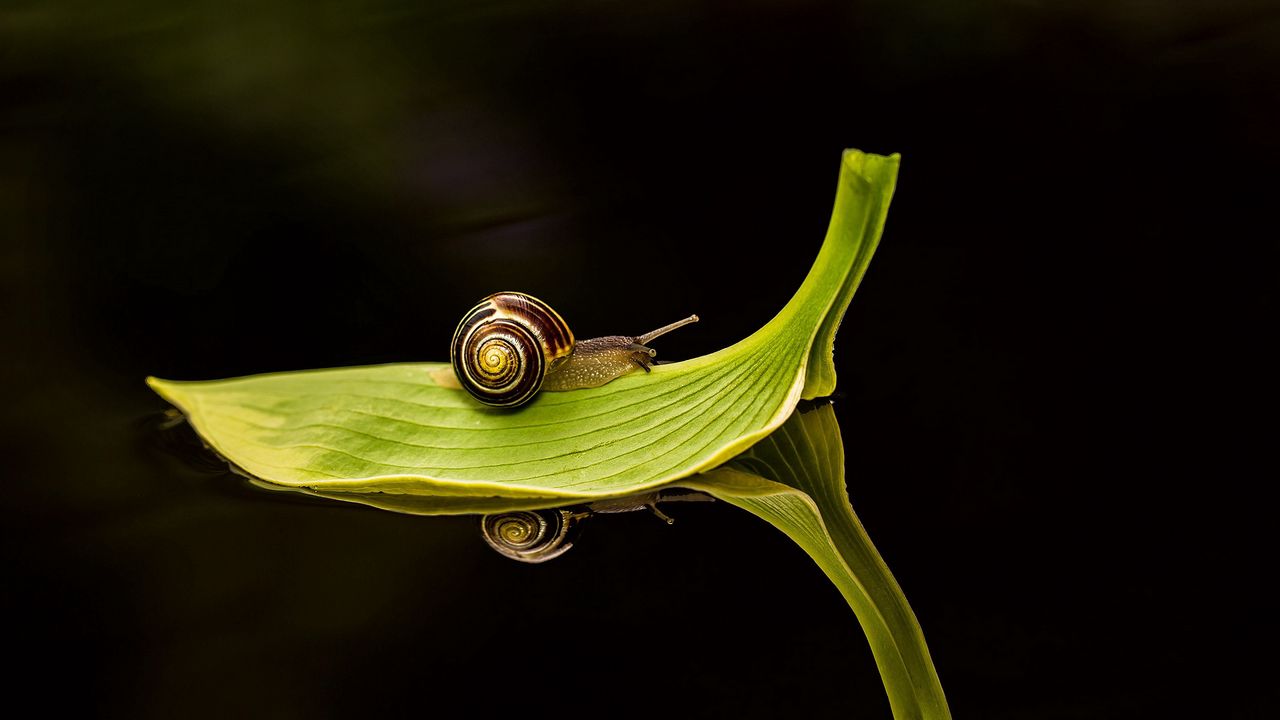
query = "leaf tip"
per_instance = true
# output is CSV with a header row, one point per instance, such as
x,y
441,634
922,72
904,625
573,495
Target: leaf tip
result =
x,y
867,182
166,389
867,163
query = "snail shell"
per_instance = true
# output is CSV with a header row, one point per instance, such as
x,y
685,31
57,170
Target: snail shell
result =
x,y
531,536
505,346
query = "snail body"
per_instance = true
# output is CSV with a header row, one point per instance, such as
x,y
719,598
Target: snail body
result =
x,y
511,345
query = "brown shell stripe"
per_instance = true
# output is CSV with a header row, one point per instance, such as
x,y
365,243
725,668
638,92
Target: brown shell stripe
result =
x,y
551,329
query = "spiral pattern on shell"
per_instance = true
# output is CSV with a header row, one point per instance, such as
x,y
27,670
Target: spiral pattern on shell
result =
x,y
504,347
531,536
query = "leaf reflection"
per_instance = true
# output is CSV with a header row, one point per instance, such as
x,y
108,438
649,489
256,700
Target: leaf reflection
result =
x,y
794,480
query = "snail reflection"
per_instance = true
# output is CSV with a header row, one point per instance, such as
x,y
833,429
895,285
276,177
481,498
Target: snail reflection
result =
x,y
535,536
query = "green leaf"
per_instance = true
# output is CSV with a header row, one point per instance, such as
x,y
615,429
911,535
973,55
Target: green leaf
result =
x,y
394,437
794,479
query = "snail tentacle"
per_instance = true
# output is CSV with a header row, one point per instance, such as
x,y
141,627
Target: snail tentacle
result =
x,y
650,336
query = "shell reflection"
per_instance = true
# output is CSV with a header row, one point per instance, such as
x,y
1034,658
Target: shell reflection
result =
x,y
532,536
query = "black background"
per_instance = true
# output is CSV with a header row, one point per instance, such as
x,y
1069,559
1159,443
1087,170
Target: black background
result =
x,y
1053,386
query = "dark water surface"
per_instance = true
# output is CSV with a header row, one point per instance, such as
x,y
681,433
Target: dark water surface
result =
x,y
1039,377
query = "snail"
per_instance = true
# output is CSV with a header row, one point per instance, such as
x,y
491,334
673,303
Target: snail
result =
x,y
511,345
535,536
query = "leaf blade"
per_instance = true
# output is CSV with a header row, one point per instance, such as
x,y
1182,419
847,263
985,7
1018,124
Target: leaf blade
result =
x,y
394,429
